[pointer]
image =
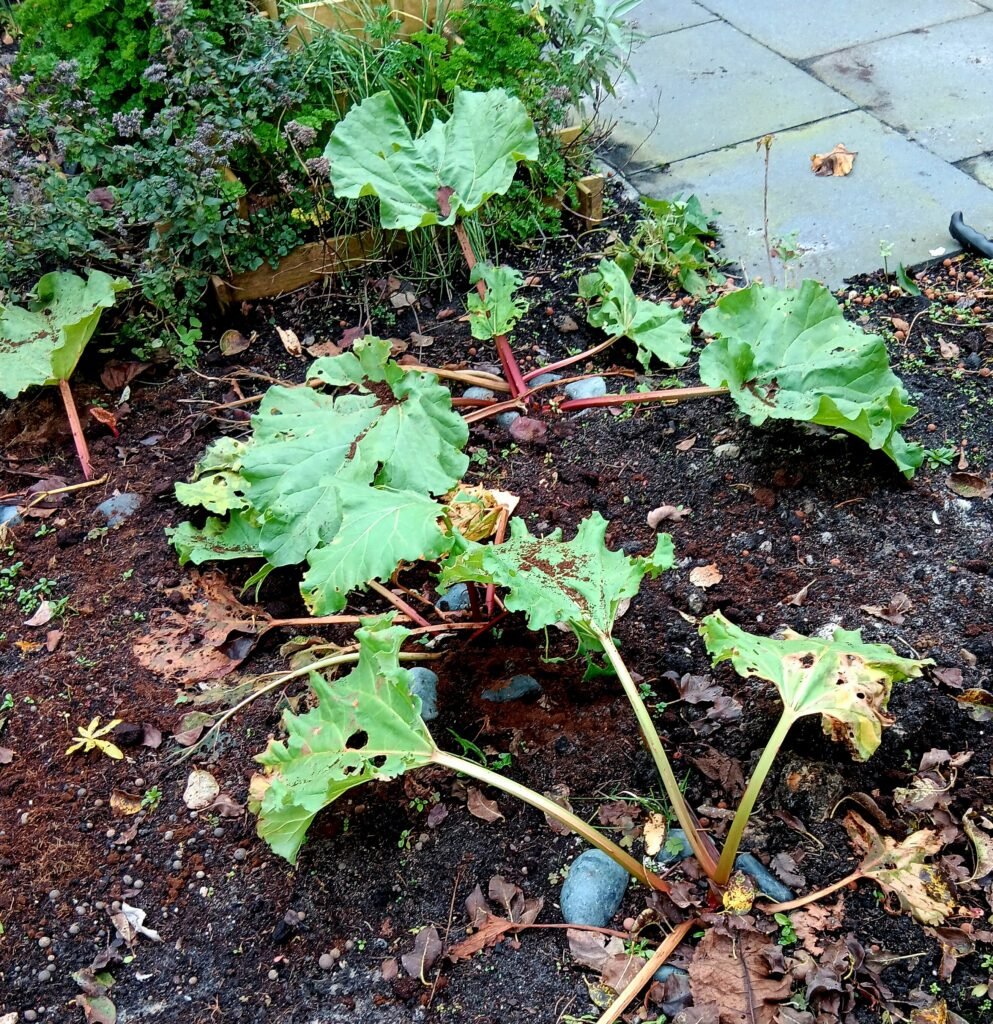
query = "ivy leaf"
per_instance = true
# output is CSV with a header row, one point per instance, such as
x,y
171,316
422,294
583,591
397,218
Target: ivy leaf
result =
x,y
448,172
366,727
791,354
844,680
580,582
902,870
42,343
498,313
655,327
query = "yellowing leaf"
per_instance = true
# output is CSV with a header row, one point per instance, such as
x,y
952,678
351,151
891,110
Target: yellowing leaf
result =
x,y
704,576
837,163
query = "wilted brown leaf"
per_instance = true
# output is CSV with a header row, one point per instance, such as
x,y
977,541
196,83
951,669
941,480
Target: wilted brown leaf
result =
x,y
951,677
620,970
900,868
686,444
481,807
704,576
969,485
526,428
813,922
979,704
323,348
982,842
105,418
124,804
948,349
739,975
800,597
427,949
837,163
290,341
895,611
559,794
232,342
720,768
117,375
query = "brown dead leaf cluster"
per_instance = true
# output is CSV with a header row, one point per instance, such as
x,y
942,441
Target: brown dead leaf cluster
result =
x,y
487,928
693,689
838,163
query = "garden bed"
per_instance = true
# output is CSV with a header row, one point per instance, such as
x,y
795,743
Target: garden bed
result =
x,y
776,510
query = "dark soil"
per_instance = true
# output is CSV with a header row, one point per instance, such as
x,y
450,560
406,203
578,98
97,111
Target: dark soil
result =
x,y
242,931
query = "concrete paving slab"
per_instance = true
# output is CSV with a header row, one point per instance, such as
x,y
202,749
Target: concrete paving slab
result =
x,y
935,85
709,86
898,192
980,168
654,17
808,29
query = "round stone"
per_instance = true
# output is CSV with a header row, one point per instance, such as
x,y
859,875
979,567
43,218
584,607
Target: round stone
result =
x,y
593,890
326,962
240,854
44,942
273,975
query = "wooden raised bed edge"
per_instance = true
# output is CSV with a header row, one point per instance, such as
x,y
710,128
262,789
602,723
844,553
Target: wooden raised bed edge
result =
x,y
351,16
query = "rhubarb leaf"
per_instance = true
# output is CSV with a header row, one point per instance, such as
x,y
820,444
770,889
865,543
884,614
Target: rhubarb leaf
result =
x,y
656,328
41,343
448,172
791,354
844,680
366,727
579,582
498,313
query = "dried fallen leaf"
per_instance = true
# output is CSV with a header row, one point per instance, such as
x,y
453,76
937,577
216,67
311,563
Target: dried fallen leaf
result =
x,y
201,790
704,576
421,340
800,597
837,163
895,611
290,341
130,922
899,324
667,513
982,843
52,639
401,300
226,806
323,348
686,444
978,702
232,342
42,615
481,807
969,485
654,833
116,375
389,969
427,949
951,677
813,922
6,755
948,349
526,428
588,948
739,974
106,418
191,727
558,794
124,804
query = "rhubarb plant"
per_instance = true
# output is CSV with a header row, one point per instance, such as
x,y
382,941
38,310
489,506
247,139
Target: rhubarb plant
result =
x,y
41,343
342,473
791,354
656,328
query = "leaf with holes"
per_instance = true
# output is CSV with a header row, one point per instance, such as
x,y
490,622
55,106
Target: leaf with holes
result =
x,y
366,727
448,172
499,311
902,868
656,328
791,354
41,343
343,481
844,680
579,582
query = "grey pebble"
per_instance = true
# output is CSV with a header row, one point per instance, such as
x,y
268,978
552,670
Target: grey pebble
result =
x,y
30,1015
326,962
727,451
590,387
218,832
240,854
139,884
478,393
177,865
545,378
424,684
505,419
760,875
119,508
54,895
74,929
593,890
44,942
44,976
273,975
455,599
519,688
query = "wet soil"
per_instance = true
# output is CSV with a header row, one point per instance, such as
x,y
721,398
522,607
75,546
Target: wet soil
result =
x,y
780,510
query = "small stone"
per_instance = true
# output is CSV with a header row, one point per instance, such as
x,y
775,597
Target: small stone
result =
x,y
119,508
478,393
44,942
455,599
193,979
695,601
201,874
74,929
127,880
30,1015
54,895
544,378
139,884
44,976
566,324
240,854
177,865
519,688
326,962
505,419
218,832
81,792
349,945
167,836
273,975
593,890
588,387
727,451
767,882
424,684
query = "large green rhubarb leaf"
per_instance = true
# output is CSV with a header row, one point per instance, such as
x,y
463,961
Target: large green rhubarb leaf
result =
x,y
791,354
366,727
448,172
345,482
656,328
844,680
580,582
42,343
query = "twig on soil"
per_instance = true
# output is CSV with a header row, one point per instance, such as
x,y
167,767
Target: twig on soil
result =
x,y
43,495
448,928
